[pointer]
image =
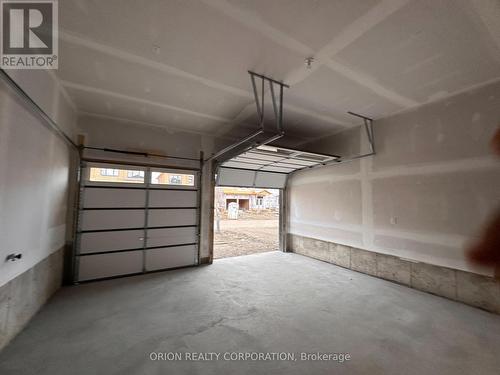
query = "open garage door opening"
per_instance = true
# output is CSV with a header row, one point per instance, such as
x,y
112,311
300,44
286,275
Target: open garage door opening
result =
x,y
250,199
246,221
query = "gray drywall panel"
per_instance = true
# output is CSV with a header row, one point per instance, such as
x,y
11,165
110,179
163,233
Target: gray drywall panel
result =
x,y
426,193
326,202
458,127
445,203
34,169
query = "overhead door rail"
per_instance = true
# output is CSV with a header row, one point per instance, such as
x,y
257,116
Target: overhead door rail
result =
x,y
264,134
368,125
251,152
33,106
278,160
266,158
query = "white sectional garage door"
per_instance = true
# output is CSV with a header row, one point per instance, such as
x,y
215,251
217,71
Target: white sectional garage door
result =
x,y
267,166
134,220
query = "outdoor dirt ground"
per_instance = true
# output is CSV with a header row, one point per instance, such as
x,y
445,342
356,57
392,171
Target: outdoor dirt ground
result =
x,y
246,236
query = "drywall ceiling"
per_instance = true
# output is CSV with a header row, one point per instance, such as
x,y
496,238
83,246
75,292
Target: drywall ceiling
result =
x,y
183,63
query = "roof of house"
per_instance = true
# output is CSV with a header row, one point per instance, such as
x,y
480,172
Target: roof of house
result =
x,y
244,191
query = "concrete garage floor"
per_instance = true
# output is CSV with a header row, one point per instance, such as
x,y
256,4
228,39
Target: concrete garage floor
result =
x,y
269,302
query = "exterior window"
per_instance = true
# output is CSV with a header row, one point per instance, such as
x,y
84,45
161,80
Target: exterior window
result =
x,y
109,172
175,179
260,201
165,178
116,175
135,174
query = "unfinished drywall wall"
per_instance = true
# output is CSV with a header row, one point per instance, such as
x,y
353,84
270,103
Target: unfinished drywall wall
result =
x,y
424,196
35,168
101,131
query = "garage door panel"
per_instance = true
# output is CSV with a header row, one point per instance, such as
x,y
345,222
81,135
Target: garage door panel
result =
x,y
109,241
270,180
111,198
120,223
249,166
112,219
276,169
248,178
173,198
170,257
171,217
235,177
171,236
109,265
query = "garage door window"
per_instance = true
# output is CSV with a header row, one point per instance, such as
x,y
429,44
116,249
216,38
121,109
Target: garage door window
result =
x,y
116,175
176,179
109,172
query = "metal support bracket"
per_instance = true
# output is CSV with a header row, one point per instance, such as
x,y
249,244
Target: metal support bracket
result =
x,y
368,124
262,136
260,101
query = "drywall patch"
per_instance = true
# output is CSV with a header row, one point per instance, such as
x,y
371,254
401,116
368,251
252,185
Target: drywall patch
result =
x,y
343,197
367,202
446,203
466,125
348,236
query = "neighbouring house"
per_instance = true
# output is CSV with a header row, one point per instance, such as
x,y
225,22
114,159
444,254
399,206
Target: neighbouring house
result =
x,y
247,199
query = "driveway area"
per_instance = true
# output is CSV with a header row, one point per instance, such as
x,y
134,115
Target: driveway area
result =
x,y
245,236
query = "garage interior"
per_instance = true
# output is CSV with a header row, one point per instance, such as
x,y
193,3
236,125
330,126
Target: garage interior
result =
x,y
374,118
